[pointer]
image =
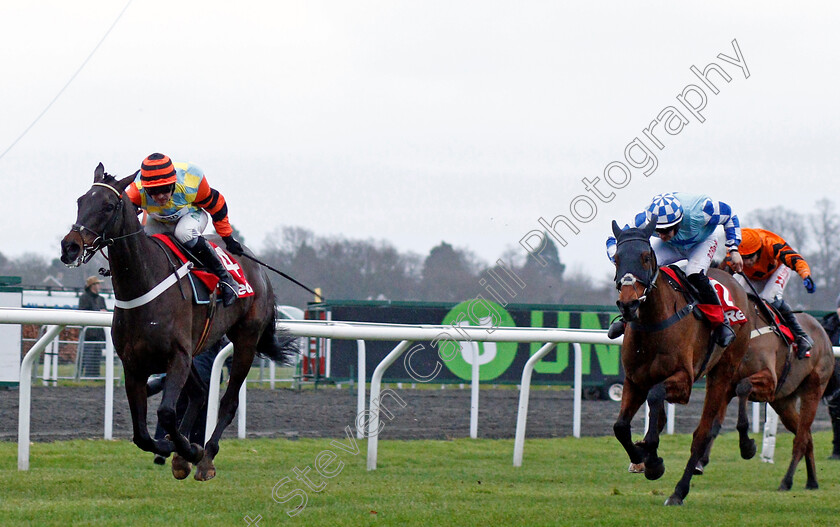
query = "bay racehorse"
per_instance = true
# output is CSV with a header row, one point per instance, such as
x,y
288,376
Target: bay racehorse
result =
x,y
155,334
665,350
770,372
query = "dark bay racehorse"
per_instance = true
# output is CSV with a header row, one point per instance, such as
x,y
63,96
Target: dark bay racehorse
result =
x,y
163,334
665,350
770,372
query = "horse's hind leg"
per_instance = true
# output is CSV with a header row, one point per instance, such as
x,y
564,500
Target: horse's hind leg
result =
x,y
716,396
239,369
701,465
654,465
803,442
746,444
632,399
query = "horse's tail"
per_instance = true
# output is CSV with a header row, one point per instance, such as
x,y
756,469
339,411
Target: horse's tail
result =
x,y
277,344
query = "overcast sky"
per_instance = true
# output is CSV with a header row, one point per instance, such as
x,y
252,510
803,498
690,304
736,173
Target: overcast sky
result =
x,y
417,122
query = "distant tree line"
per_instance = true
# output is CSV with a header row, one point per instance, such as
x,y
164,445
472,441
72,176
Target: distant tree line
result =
x,y
352,269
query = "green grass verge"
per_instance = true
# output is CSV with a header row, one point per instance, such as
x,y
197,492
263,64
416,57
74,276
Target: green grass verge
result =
x,y
563,481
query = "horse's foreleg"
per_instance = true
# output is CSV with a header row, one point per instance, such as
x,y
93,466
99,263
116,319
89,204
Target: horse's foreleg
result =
x,y
632,399
135,391
654,465
745,443
196,398
789,417
716,396
176,376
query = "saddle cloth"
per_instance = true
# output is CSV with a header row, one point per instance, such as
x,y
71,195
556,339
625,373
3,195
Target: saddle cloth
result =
x,y
714,314
207,281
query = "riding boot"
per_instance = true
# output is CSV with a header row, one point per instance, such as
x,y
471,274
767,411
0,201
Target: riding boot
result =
x,y
208,258
723,334
616,329
803,341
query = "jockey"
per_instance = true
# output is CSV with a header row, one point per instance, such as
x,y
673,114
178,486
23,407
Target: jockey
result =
x,y
175,196
686,227
768,260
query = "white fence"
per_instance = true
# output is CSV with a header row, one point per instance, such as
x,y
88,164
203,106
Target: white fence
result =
x,y
359,331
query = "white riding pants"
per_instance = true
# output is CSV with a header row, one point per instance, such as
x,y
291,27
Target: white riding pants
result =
x,y
691,261
772,287
187,228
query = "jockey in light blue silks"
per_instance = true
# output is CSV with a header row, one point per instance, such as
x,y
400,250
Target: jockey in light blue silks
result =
x,y
686,227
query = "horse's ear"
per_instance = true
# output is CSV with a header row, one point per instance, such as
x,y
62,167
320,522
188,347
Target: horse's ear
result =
x,y
99,173
651,225
616,229
125,182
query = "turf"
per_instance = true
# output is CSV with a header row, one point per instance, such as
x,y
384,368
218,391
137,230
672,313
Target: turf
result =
x,y
563,481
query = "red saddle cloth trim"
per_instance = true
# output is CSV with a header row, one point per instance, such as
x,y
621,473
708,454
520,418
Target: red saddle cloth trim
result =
x,y
786,331
715,314
209,279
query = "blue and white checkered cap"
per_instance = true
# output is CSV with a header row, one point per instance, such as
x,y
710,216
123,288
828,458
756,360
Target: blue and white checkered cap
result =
x,y
667,208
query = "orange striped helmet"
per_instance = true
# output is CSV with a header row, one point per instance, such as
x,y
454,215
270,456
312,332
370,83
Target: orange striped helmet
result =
x,y
157,171
750,242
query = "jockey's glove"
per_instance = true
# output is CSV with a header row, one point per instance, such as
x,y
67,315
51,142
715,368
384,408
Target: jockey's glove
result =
x,y
809,284
233,246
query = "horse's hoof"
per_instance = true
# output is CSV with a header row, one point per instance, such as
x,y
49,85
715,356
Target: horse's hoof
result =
x,y
205,470
636,468
674,500
748,450
655,470
785,486
698,469
812,485
181,468
201,475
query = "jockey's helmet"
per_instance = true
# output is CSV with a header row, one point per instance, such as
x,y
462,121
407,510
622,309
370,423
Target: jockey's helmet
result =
x,y
750,242
667,209
157,171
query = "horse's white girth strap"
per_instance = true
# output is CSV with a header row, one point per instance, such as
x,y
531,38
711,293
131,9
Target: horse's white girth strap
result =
x,y
761,331
168,282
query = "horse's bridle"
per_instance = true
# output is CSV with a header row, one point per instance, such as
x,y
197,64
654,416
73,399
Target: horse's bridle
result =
x,y
100,241
631,279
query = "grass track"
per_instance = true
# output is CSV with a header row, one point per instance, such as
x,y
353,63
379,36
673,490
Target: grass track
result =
x,y
563,481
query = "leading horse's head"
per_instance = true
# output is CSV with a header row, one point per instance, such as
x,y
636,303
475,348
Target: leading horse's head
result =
x,y
635,267
99,218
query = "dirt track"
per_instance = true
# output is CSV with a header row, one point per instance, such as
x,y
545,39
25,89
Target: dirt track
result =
x,y
77,412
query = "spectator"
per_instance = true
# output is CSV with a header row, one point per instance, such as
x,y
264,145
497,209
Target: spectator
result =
x,y
831,324
94,342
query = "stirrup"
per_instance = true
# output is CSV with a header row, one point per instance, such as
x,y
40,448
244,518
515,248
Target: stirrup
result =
x,y
229,293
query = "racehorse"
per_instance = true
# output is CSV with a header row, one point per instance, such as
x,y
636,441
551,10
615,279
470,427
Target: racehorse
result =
x,y
665,350
771,373
162,334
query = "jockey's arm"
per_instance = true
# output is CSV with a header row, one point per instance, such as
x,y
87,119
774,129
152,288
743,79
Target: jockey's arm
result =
x,y
214,203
